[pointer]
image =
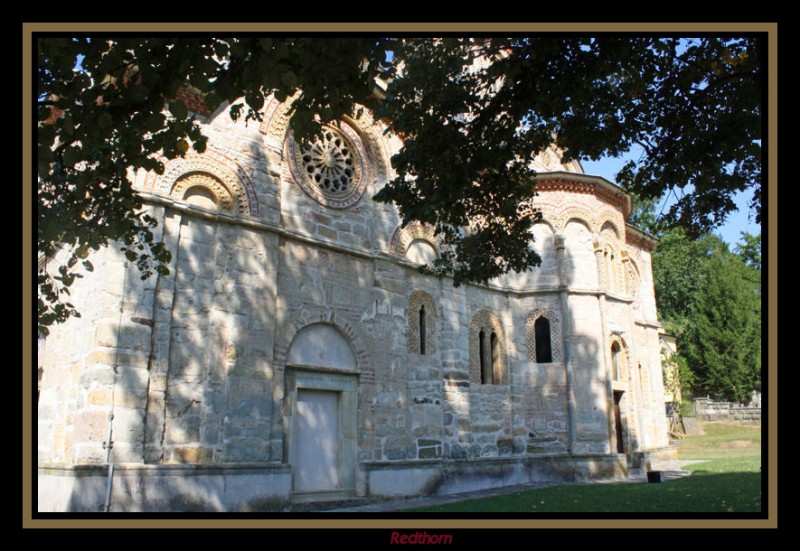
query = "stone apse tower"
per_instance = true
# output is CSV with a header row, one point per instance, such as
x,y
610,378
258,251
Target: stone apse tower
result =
x,y
294,352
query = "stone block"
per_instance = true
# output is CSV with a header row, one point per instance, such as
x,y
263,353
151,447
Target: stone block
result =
x,y
246,449
97,375
398,448
96,397
132,379
430,453
182,430
91,426
92,454
505,446
128,425
190,454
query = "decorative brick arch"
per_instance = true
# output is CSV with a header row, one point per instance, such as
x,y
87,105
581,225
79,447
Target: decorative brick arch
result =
x,y
555,333
275,118
545,221
303,320
275,127
633,278
610,263
609,225
574,214
488,322
220,175
416,301
374,138
403,237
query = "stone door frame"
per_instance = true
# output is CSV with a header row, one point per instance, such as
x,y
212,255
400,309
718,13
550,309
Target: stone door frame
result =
x,y
345,384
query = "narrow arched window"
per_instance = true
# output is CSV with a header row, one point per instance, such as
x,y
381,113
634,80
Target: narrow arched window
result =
x,y
495,358
486,368
422,329
544,353
616,351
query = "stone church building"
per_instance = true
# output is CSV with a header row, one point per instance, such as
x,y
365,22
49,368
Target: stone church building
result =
x,y
295,352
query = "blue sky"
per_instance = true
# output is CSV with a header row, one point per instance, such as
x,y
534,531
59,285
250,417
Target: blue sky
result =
x,y
739,221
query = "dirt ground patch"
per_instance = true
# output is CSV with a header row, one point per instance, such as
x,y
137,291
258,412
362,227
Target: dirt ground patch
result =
x,y
737,444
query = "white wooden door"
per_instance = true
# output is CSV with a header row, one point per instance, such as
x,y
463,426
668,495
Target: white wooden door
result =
x,y
317,441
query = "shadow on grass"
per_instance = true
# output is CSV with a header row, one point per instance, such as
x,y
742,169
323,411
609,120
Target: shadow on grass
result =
x,y
701,493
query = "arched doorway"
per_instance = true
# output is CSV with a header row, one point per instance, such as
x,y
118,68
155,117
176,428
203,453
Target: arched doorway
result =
x,y
322,382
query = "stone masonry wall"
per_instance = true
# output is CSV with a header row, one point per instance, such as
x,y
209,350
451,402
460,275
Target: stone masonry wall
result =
x,y
193,364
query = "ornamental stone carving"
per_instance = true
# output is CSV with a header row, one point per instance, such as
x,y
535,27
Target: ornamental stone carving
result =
x,y
204,181
415,231
416,302
632,280
555,333
223,178
621,371
333,170
487,322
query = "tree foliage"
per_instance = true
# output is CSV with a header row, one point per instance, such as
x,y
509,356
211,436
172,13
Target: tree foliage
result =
x,y
723,341
710,299
110,106
473,114
680,264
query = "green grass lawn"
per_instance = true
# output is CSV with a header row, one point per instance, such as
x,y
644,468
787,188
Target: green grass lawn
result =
x,y
727,480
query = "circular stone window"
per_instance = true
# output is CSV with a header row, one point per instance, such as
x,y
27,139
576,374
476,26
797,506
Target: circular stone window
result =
x,y
331,169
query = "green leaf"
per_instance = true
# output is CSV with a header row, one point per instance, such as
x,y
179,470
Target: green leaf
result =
x,y
72,156
154,122
289,79
137,94
178,109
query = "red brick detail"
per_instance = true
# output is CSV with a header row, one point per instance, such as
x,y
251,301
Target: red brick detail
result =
x,y
616,199
194,101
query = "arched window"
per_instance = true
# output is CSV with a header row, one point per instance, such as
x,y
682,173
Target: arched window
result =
x,y
495,355
543,336
616,361
421,320
487,361
422,329
544,352
421,251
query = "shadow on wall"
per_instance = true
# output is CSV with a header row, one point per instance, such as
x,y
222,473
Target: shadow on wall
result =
x,y
191,369
210,393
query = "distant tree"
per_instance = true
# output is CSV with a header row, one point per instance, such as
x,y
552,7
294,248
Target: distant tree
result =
x,y
723,340
749,249
679,266
645,216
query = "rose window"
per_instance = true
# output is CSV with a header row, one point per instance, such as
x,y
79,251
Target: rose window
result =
x,y
329,162
332,169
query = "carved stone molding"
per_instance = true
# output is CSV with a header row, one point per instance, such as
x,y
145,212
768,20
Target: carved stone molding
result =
x,y
333,170
488,322
555,333
416,301
403,237
214,172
